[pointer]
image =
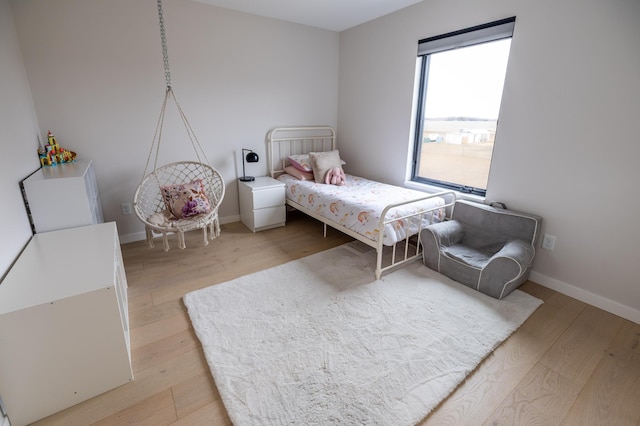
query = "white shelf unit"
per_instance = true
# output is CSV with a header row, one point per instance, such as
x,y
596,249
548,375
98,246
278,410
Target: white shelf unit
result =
x,y
262,203
64,322
63,196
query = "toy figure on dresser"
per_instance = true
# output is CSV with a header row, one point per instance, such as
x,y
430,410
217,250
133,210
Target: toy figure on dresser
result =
x,y
52,154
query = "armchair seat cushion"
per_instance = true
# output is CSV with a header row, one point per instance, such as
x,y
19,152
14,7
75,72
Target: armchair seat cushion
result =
x,y
468,256
485,248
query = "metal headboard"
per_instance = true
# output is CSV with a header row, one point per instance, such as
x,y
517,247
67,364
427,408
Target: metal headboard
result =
x,y
285,141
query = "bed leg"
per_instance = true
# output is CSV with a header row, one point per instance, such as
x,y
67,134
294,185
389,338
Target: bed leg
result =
x,y
379,261
324,230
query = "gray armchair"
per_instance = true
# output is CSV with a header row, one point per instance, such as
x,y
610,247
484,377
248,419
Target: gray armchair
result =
x,y
486,248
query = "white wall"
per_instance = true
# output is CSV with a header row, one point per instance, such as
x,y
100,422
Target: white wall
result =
x,y
18,141
567,142
566,149
95,69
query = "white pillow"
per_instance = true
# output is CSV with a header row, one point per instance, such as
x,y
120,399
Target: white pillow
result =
x,y
322,162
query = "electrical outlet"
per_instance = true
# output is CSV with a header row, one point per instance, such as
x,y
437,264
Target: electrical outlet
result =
x,y
548,242
125,208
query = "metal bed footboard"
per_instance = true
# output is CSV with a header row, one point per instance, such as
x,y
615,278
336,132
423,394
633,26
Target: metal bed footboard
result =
x,y
412,247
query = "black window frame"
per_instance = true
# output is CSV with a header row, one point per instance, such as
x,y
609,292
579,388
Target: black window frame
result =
x,y
492,31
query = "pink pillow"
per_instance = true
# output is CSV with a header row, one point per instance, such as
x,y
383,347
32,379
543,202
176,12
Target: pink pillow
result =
x,y
186,199
298,174
301,162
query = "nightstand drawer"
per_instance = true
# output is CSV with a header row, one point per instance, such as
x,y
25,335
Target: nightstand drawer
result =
x,y
267,197
269,216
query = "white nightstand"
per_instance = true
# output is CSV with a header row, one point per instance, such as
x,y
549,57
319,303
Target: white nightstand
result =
x,y
262,203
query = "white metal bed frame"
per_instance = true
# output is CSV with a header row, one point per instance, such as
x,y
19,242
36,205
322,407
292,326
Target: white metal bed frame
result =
x,y
285,141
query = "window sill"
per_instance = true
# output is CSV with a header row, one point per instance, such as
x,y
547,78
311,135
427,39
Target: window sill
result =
x,y
432,189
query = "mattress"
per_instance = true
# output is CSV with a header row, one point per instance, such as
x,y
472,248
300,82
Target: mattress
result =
x,y
358,204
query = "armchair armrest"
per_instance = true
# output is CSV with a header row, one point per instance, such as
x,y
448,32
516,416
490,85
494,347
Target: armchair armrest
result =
x,y
518,251
506,269
446,233
434,236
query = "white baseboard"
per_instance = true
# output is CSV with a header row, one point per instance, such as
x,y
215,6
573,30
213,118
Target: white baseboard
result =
x,y
130,238
587,297
139,236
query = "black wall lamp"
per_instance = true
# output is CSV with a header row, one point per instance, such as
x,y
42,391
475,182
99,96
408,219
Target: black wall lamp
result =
x,y
251,157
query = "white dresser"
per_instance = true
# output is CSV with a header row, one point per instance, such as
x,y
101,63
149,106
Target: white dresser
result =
x,y
262,204
63,196
64,322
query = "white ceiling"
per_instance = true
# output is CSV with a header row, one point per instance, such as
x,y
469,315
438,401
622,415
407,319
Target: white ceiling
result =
x,y
335,15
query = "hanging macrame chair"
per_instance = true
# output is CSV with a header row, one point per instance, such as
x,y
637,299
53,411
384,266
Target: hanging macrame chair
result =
x,y
180,196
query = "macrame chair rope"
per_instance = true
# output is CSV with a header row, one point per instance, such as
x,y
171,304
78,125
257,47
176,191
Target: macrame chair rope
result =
x,y
149,203
157,137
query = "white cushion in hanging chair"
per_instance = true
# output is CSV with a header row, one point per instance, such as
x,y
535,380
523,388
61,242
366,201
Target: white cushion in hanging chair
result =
x,y
150,206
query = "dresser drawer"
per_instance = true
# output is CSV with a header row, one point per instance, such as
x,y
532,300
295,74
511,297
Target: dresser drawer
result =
x,y
270,216
268,197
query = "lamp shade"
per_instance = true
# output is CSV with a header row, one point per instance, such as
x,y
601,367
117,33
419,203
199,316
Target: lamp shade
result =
x,y
251,157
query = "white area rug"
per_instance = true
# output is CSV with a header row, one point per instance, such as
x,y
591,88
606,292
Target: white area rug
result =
x,y
318,340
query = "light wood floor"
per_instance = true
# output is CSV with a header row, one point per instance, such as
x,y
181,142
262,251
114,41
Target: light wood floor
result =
x,y
569,364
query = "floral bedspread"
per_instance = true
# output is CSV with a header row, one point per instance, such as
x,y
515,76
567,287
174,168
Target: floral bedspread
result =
x,y
359,203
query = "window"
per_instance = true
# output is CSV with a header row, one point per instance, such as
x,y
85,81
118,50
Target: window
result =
x,y
461,81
